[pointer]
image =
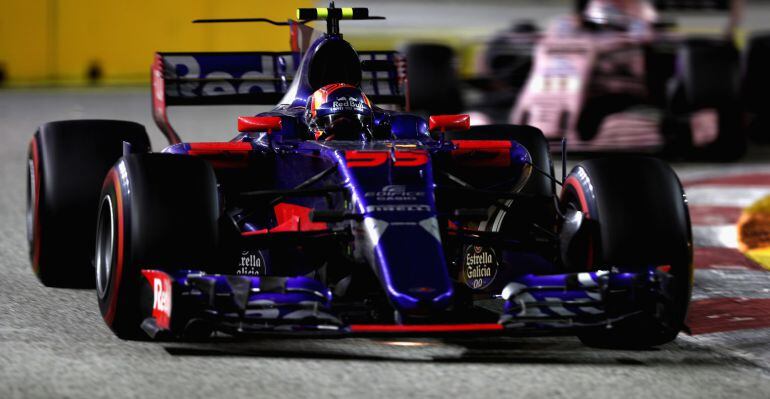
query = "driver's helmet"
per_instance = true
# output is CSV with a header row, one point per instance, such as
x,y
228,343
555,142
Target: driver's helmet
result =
x,y
618,14
339,111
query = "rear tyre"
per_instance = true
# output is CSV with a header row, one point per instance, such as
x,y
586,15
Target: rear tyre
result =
x,y
707,79
756,85
597,109
157,211
434,86
66,164
635,216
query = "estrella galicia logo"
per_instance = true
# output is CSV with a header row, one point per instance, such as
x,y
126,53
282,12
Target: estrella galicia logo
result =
x,y
479,266
251,264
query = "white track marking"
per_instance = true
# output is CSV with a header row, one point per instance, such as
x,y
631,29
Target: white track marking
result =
x,y
724,236
716,195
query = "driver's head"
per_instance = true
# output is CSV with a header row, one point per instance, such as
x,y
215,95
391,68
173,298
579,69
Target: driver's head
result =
x,y
618,14
339,112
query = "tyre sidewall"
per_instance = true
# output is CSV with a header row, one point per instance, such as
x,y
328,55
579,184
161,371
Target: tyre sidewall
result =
x,y
636,216
120,305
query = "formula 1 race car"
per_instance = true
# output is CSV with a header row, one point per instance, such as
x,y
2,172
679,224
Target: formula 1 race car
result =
x,y
616,76
330,215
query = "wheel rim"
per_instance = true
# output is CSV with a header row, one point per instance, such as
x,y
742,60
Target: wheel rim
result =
x,y
31,201
105,245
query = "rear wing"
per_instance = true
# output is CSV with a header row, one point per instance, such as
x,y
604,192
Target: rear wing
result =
x,y
734,9
689,5
255,78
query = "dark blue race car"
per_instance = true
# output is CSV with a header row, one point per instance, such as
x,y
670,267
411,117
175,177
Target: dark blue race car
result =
x,y
337,213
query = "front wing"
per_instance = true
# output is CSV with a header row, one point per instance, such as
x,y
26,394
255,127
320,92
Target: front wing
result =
x,y
192,301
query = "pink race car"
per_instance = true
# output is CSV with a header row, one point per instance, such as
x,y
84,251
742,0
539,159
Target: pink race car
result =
x,y
616,76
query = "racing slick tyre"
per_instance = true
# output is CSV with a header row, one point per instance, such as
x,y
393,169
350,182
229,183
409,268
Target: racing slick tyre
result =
x,y
635,215
66,164
708,78
597,109
433,83
157,211
756,85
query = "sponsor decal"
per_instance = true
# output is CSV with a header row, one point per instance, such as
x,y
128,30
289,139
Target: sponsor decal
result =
x,y
395,193
411,158
349,104
162,297
161,294
365,159
251,264
398,208
479,266
369,159
214,75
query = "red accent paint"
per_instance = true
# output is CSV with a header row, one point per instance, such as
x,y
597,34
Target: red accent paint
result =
x,y
728,314
159,111
482,144
445,123
424,328
294,37
251,124
411,158
36,211
224,155
452,225
160,283
290,218
722,258
403,82
219,148
482,153
751,179
109,317
703,215
571,181
365,159
368,159
254,233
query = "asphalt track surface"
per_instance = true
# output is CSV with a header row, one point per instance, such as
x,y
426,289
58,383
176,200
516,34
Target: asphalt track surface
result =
x,y
53,342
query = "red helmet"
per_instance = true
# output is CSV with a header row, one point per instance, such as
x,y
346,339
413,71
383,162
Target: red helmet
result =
x,y
339,111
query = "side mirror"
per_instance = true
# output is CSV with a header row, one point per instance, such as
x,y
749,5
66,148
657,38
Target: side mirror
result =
x,y
444,123
250,124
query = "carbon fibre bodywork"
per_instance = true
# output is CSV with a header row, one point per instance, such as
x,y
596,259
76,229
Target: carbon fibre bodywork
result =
x,y
405,232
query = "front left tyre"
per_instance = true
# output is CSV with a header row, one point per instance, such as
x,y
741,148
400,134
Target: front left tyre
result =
x,y
157,211
635,216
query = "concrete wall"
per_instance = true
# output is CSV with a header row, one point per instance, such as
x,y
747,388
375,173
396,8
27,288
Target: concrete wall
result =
x,y
58,41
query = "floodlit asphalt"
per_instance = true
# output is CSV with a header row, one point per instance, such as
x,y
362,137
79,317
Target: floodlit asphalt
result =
x,y
53,342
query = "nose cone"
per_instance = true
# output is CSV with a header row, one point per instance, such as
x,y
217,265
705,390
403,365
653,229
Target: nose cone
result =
x,y
411,265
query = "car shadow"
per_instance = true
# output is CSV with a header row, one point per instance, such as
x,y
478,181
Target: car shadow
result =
x,y
502,350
